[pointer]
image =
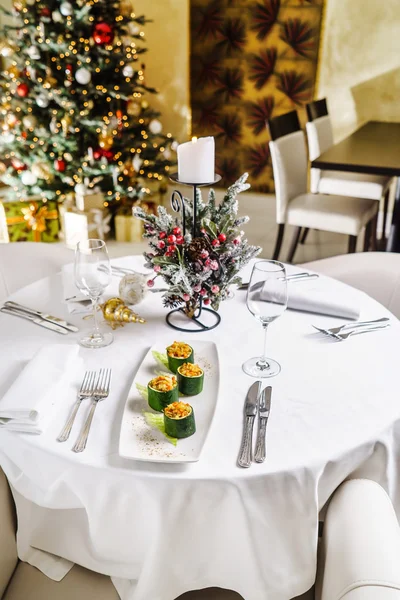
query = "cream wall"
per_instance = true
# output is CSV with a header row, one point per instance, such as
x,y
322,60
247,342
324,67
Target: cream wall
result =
x,y
360,62
167,60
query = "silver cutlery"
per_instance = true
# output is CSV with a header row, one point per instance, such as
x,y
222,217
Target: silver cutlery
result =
x,y
37,320
46,317
86,391
250,410
117,270
344,336
100,392
263,415
295,277
333,331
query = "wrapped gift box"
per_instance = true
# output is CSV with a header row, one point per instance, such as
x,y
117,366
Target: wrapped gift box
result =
x,y
31,220
82,225
86,202
128,229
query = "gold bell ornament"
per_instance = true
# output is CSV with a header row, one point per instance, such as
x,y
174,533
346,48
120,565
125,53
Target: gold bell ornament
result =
x,y
66,123
116,313
126,8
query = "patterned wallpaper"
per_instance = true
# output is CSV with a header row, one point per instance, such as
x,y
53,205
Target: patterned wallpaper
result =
x,y
250,61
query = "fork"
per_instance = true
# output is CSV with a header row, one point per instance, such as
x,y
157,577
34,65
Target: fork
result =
x,y
344,336
335,330
100,392
86,391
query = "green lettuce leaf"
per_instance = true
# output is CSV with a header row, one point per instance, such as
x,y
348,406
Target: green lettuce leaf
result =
x,y
157,420
162,358
142,391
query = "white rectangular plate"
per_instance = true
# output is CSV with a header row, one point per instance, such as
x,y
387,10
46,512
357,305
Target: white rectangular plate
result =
x,y
140,441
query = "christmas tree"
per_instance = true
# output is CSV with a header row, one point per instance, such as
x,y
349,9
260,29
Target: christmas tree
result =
x,y
74,111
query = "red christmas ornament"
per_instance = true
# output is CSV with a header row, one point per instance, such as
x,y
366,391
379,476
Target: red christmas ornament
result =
x,y
171,239
102,34
45,12
108,154
68,69
176,231
97,154
22,90
222,238
162,235
171,249
215,243
180,239
60,165
18,165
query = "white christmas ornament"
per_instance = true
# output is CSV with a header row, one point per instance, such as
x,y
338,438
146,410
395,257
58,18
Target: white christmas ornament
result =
x,y
57,16
66,9
137,162
134,29
127,71
28,178
42,101
83,76
7,137
29,121
33,52
67,83
155,126
133,288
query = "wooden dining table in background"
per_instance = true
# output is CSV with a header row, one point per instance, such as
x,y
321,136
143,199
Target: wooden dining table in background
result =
x,y
374,148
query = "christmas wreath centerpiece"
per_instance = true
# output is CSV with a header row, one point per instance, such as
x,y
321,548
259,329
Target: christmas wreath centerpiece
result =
x,y
198,267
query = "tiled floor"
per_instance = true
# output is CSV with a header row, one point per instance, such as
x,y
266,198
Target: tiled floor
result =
x,y
262,229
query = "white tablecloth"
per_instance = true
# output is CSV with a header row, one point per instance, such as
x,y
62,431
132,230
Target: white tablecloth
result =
x,y
160,530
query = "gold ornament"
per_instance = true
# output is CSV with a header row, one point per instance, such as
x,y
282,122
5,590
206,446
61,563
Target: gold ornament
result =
x,y
42,171
105,140
19,5
7,48
134,109
116,313
126,8
66,122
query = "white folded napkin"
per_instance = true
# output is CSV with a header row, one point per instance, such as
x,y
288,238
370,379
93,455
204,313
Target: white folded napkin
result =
x,y
323,296
28,403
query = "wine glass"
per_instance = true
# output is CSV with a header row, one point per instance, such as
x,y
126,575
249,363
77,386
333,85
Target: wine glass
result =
x,y
266,300
92,281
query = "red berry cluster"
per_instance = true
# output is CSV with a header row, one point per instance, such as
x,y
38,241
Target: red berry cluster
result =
x,y
173,240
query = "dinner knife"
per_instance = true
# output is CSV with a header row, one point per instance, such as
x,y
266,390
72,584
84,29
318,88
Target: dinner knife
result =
x,y
295,277
263,415
33,319
41,315
250,410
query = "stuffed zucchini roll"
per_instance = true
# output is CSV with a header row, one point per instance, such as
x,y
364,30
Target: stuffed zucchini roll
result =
x,y
190,379
161,391
179,353
179,420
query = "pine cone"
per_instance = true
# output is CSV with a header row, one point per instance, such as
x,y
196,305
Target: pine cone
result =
x,y
195,248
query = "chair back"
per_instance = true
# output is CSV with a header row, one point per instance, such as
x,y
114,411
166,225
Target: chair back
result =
x,y
320,139
316,109
8,544
289,164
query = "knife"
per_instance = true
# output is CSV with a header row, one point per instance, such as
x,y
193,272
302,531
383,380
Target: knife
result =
x,y
36,320
250,409
45,317
263,414
295,277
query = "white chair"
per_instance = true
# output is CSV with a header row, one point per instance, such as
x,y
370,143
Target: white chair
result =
x,y
296,206
375,273
22,263
342,183
360,548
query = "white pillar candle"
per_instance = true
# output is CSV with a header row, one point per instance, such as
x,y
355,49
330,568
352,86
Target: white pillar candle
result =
x,y
196,161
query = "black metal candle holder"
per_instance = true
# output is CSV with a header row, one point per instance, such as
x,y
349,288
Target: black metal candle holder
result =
x,y
178,205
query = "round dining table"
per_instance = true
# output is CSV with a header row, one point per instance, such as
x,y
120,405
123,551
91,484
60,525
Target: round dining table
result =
x,y
160,530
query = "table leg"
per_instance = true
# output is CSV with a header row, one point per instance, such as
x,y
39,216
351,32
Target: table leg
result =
x,y
393,244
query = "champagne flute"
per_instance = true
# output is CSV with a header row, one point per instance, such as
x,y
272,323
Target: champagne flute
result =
x,y
91,281
266,300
